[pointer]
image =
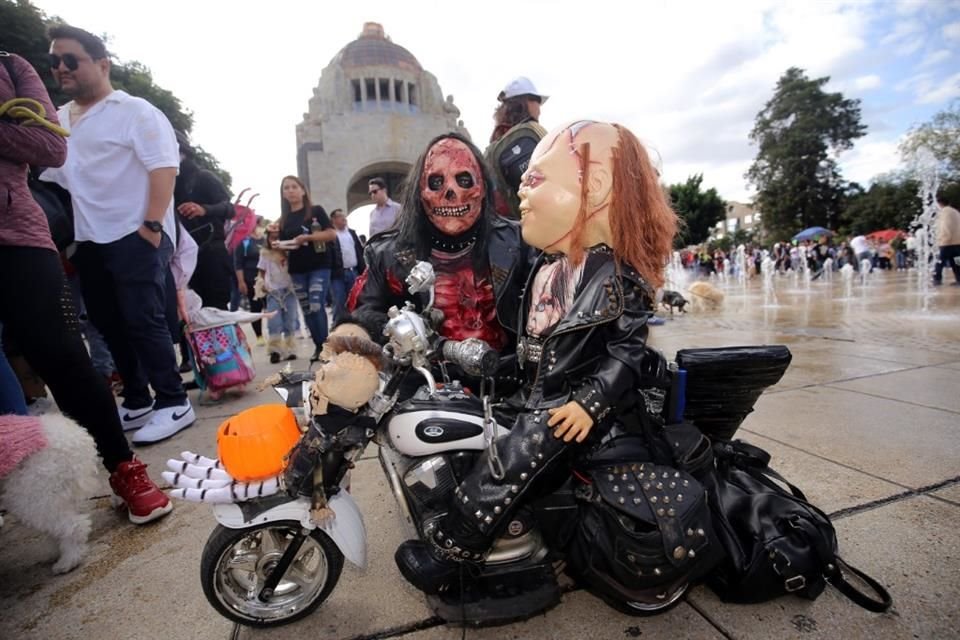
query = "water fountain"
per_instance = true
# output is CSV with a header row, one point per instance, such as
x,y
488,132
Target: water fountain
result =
x,y
677,277
767,267
847,273
828,269
925,166
741,264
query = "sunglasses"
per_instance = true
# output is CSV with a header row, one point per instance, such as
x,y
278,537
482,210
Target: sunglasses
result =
x,y
68,59
374,191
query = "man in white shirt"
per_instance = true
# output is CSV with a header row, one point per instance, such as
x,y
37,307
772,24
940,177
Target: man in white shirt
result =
x,y
348,263
122,160
385,213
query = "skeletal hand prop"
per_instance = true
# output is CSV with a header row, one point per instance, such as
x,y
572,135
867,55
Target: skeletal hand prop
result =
x,y
200,479
570,422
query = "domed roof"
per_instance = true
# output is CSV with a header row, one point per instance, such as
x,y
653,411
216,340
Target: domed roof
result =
x,y
374,48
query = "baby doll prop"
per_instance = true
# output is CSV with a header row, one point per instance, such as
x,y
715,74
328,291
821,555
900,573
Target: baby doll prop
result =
x,y
591,201
261,450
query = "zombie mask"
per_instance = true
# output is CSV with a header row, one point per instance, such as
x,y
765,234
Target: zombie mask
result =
x,y
452,187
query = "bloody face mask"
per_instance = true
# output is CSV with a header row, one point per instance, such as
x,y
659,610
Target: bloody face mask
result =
x,y
452,187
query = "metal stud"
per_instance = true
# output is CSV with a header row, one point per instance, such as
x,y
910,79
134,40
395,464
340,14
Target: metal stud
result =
x,y
515,489
479,514
653,499
673,485
653,476
524,476
507,500
689,532
676,474
622,500
488,519
666,499
533,464
671,512
623,477
692,554
540,456
660,485
686,483
616,488
666,475
646,486
636,501
497,509
661,512
679,497
610,477
631,557
466,499
657,571
679,553
448,543
700,532
631,488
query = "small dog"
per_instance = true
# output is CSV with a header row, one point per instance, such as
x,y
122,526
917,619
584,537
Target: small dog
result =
x,y
48,470
704,296
673,300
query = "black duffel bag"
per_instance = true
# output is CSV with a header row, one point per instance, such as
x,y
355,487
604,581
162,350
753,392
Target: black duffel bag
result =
x,y
776,542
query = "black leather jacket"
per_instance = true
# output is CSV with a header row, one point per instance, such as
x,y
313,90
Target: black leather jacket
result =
x,y
594,354
388,265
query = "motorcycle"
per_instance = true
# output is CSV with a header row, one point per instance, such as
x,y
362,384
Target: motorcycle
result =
x,y
275,558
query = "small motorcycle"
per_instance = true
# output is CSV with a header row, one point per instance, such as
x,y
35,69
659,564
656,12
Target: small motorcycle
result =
x,y
271,560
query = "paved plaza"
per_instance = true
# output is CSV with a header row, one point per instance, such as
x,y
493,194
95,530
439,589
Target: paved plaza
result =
x,y
866,421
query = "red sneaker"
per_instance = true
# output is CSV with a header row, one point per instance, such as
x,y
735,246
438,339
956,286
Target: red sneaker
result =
x,y
134,488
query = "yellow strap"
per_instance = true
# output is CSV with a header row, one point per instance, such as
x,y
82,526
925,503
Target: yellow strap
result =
x,y
31,113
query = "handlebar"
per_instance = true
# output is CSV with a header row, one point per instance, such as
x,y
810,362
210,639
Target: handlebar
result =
x,y
472,355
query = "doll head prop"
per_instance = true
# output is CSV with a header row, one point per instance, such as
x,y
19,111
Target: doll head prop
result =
x,y
252,444
351,375
592,183
452,187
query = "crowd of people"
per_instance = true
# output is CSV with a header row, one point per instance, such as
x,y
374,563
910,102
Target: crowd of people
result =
x,y
106,313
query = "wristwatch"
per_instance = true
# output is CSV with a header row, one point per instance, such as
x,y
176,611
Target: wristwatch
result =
x,y
153,225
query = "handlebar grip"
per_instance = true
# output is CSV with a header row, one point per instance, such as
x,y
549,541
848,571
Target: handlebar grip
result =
x,y
472,355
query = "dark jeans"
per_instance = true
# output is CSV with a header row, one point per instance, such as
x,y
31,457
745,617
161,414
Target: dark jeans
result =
x,y
256,306
38,311
124,286
949,254
213,276
341,286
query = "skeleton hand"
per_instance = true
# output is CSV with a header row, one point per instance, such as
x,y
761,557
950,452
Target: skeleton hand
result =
x,y
571,422
200,479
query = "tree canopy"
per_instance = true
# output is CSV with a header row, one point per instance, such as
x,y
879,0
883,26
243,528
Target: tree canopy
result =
x,y
23,30
699,210
798,131
941,135
887,204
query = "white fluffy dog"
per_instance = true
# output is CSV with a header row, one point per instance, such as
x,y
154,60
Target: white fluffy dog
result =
x,y
48,489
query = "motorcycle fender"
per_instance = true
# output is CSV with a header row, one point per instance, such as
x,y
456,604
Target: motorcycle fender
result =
x,y
346,529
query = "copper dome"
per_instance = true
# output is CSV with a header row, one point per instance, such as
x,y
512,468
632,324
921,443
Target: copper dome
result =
x,y
374,48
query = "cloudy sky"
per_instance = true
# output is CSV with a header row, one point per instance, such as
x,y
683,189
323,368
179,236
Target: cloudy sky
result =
x,y
687,77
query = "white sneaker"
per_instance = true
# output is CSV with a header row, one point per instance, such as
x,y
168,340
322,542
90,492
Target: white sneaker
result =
x,y
134,418
165,423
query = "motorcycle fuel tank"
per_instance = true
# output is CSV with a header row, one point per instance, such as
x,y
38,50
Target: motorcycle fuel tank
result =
x,y
452,420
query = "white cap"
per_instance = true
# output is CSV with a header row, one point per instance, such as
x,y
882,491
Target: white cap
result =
x,y
520,86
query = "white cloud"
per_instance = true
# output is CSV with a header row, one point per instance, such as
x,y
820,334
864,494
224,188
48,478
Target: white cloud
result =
x,y
871,156
941,91
952,31
867,82
935,57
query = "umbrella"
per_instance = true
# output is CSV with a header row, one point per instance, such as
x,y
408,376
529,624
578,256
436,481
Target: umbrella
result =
x,y
812,233
886,235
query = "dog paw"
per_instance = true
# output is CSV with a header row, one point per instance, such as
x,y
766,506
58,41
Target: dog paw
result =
x,y
66,564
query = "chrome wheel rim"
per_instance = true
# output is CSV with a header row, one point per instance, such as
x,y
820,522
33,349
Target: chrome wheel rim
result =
x,y
243,567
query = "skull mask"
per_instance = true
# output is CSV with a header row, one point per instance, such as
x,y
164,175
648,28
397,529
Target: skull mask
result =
x,y
452,187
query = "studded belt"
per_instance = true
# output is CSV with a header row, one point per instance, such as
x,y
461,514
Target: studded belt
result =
x,y
529,350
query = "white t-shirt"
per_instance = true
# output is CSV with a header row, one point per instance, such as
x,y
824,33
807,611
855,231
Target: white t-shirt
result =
x,y
110,153
347,249
859,245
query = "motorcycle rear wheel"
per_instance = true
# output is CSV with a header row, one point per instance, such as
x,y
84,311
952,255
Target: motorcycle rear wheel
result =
x,y
236,563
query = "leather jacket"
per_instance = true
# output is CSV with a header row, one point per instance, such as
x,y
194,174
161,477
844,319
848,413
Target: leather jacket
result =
x,y
594,354
383,284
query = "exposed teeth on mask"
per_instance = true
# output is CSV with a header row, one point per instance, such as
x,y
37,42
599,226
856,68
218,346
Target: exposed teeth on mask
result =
x,y
455,212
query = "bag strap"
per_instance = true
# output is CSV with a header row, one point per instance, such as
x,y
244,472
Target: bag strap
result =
x,y
834,575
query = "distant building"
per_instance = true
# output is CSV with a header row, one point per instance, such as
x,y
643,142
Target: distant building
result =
x,y
371,114
739,216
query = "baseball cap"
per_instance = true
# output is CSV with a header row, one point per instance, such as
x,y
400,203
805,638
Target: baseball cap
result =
x,y
520,86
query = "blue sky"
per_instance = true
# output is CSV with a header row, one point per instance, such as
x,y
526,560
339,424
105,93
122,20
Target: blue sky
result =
x,y
687,77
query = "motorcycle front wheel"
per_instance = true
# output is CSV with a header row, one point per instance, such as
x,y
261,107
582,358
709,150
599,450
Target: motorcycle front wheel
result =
x,y
237,562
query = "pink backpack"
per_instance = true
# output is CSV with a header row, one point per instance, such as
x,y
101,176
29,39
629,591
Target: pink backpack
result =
x,y
241,226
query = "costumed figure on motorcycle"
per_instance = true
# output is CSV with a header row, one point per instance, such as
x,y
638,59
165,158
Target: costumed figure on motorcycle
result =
x,y
591,201
479,259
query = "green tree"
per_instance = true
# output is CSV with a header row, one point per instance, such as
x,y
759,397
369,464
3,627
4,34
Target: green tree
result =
x,y
23,30
886,204
797,132
941,135
699,210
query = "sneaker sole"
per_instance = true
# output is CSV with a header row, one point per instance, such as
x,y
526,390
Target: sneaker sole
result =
x,y
166,437
156,514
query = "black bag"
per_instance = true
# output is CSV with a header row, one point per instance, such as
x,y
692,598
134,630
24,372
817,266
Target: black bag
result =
x,y
643,536
775,541
53,199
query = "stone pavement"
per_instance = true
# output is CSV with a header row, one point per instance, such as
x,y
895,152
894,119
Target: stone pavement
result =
x,y
866,421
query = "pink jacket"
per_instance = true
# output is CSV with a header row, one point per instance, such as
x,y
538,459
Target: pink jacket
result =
x,y
22,221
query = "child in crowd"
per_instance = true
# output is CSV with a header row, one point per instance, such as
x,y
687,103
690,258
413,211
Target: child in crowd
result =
x,y
281,299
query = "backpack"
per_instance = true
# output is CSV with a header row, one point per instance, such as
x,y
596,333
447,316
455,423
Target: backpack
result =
x,y
242,224
221,357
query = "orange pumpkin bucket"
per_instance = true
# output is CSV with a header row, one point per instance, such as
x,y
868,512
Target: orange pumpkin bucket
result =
x,y
253,443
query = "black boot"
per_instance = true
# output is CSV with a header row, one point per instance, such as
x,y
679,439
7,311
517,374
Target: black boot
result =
x,y
435,566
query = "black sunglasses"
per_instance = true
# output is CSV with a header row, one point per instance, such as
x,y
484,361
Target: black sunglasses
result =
x,y
374,190
69,60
